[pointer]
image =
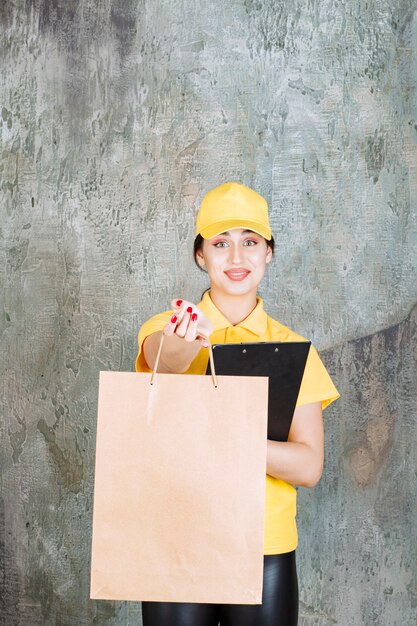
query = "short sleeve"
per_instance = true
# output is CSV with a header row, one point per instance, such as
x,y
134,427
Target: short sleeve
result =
x,y
152,325
316,385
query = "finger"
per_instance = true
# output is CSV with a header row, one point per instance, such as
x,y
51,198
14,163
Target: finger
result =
x,y
205,329
176,303
182,327
191,332
179,314
170,327
179,307
204,341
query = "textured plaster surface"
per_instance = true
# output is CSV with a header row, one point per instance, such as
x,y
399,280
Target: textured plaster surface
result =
x,y
115,118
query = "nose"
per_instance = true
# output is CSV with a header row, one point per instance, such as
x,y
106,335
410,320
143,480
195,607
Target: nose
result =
x,y
235,253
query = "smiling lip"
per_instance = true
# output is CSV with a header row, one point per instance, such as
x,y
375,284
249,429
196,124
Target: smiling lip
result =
x,y
237,274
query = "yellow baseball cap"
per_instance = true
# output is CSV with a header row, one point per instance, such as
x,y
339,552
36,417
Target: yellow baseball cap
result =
x,y
229,206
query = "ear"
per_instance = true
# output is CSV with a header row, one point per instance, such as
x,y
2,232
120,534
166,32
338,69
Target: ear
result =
x,y
200,258
268,258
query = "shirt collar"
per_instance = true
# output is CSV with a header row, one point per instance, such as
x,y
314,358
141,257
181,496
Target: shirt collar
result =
x,y
255,322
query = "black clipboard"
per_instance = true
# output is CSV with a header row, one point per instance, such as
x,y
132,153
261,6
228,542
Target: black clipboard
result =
x,y
282,362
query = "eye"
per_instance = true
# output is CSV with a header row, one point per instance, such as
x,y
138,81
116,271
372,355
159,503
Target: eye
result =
x,y
250,242
220,244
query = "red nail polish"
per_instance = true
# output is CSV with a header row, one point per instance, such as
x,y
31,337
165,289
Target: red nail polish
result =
x,y
174,319
190,309
194,317
178,302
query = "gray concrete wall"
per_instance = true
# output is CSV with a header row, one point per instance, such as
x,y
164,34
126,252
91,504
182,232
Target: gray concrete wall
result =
x,y
116,117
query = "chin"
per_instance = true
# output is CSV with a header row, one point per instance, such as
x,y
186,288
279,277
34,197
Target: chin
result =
x,y
240,288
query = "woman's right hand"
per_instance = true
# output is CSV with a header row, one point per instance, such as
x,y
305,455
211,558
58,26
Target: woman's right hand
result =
x,y
189,323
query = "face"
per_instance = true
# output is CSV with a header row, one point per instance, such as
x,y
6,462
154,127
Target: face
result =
x,y
235,261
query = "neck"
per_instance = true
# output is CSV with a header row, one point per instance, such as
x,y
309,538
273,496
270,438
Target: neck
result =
x,y
234,307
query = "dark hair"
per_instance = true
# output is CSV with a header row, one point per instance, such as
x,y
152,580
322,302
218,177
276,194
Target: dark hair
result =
x,y
198,244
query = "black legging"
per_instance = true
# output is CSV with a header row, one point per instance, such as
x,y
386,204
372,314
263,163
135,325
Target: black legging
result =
x,y
279,603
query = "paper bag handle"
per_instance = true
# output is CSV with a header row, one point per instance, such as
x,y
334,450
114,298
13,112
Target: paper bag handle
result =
x,y
213,372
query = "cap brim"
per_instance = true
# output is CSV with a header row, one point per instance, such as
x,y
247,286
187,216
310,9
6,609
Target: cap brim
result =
x,y
222,227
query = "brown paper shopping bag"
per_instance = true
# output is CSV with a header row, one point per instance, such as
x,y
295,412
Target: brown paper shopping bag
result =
x,y
179,488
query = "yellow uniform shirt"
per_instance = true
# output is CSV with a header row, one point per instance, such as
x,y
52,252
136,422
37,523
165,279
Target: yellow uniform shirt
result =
x,y
280,527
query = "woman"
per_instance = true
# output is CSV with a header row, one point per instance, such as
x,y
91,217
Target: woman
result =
x,y
234,245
